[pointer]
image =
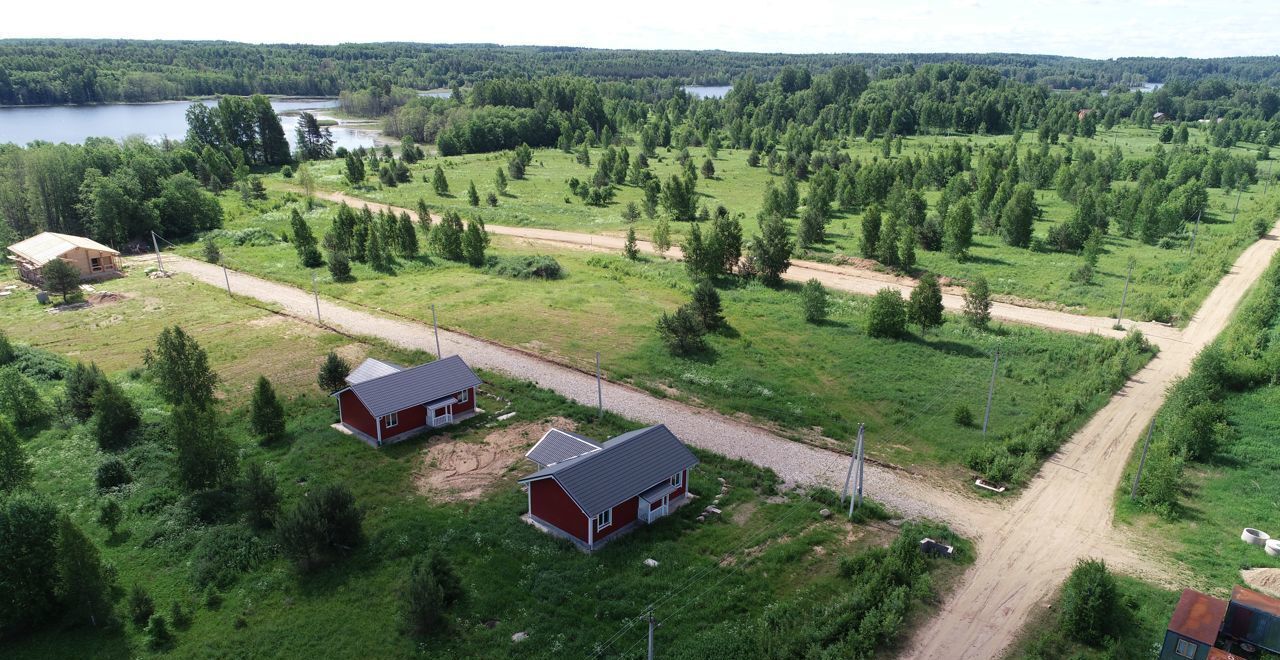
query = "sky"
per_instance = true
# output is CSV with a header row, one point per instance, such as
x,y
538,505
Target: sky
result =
x,y
1083,28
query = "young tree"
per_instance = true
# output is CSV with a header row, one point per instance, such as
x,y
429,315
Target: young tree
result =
x,y
322,528
814,298
115,417
725,242
629,249
438,183
206,456
708,169
259,496
20,401
771,250
682,332
977,303
871,232
474,242
500,182
662,236
333,373
631,212
304,242
813,227
957,233
924,307
109,515
697,261
1090,602
212,253
181,368
407,245
887,314
81,384
424,216
15,472
7,354
1018,215
266,414
446,237
339,266
423,601
28,567
140,606
355,169
473,197
84,587
907,249
61,278
706,305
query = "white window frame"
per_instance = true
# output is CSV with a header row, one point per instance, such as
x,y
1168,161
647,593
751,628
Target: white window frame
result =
x,y
1185,648
605,519
391,420
678,479
465,396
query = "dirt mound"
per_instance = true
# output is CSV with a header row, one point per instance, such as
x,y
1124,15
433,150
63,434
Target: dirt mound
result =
x,y
104,298
453,470
1266,580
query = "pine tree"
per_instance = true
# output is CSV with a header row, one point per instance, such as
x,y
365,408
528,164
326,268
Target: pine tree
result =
x,y
771,250
812,227
408,243
266,414
424,216
333,373
474,242
977,303
438,183
355,169
473,197
706,305
500,182
871,232
708,169
629,249
924,307
339,266
116,417
304,242
259,496
109,515
61,278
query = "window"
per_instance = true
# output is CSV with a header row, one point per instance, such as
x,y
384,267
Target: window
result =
x,y
678,479
95,264
391,420
604,520
464,396
1185,649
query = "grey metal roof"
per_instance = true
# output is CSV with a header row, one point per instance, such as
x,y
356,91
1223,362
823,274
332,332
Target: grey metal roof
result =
x,y
413,387
625,467
654,494
557,446
370,369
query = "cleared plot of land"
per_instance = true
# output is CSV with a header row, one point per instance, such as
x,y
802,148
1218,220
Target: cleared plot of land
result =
x,y
455,470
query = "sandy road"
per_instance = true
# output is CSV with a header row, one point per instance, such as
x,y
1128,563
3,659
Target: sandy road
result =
x,y
1065,514
842,278
794,462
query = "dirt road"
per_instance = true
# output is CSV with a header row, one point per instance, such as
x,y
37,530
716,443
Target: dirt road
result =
x,y
842,278
1026,551
792,461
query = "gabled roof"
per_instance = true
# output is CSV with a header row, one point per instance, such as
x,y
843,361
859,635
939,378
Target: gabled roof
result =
x,y
557,446
625,467
370,369
394,392
1255,601
1198,617
45,247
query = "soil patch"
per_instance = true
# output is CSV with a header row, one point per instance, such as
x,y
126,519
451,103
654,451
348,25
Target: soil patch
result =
x,y
1266,580
105,298
452,470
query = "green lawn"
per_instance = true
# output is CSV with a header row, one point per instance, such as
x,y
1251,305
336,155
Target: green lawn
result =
x,y
809,379
766,550
1166,283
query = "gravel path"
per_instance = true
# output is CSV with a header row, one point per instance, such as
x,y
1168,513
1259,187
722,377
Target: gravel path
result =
x,y
842,278
794,462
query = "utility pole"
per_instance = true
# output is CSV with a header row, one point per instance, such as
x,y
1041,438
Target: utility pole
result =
x,y
599,389
855,498
316,292
155,244
437,329
1124,296
853,458
652,625
1237,209
991,392
1133,493
1194,231
862,461
226,278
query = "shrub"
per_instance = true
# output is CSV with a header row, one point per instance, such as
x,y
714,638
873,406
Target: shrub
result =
x,y
287,172
423,601
1090,602
15,472
682,332
977,303
963,416
115,419
158,634
266,415
339,266
39,364
181,615
28,573
526,267
322,528
706,305
212,254
112,474
7,353
887,316
19,399
224,553
109,515
258,496
814,298
81,384
212,506
333,373
139,606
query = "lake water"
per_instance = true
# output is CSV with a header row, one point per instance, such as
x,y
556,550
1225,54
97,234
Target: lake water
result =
x,y
708,91
154,121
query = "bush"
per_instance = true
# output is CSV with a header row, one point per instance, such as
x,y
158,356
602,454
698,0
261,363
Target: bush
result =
x,y
258,496
526,267
706,305
333,373
39,364
266,415
19,399
158,634
112,473
423,601
1090,602
887,316
212,254
140,607
115,419
963,416
7,353
815,301
682,332
81,384
322,528
109,515
224,553
181,615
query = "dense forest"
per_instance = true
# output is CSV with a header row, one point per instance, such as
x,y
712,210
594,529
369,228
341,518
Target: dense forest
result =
x,y
51,71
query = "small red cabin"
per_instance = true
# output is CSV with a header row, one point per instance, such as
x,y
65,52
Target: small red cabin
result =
x,y
590,493
384,402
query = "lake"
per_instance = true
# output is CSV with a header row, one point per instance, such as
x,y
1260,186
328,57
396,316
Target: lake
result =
x,y
154,121
708,91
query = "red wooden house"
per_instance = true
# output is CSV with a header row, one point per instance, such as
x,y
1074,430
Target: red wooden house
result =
x,y
384,402
591,493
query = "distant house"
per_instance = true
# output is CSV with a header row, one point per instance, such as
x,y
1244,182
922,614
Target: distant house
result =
x,y
94,260
1160,118
590,493
1208,628
384,402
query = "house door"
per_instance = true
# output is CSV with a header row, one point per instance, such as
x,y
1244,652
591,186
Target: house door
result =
x,y
440,416
658,511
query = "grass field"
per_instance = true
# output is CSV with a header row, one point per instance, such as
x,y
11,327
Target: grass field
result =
x,y
811,380
1166,282
774,551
